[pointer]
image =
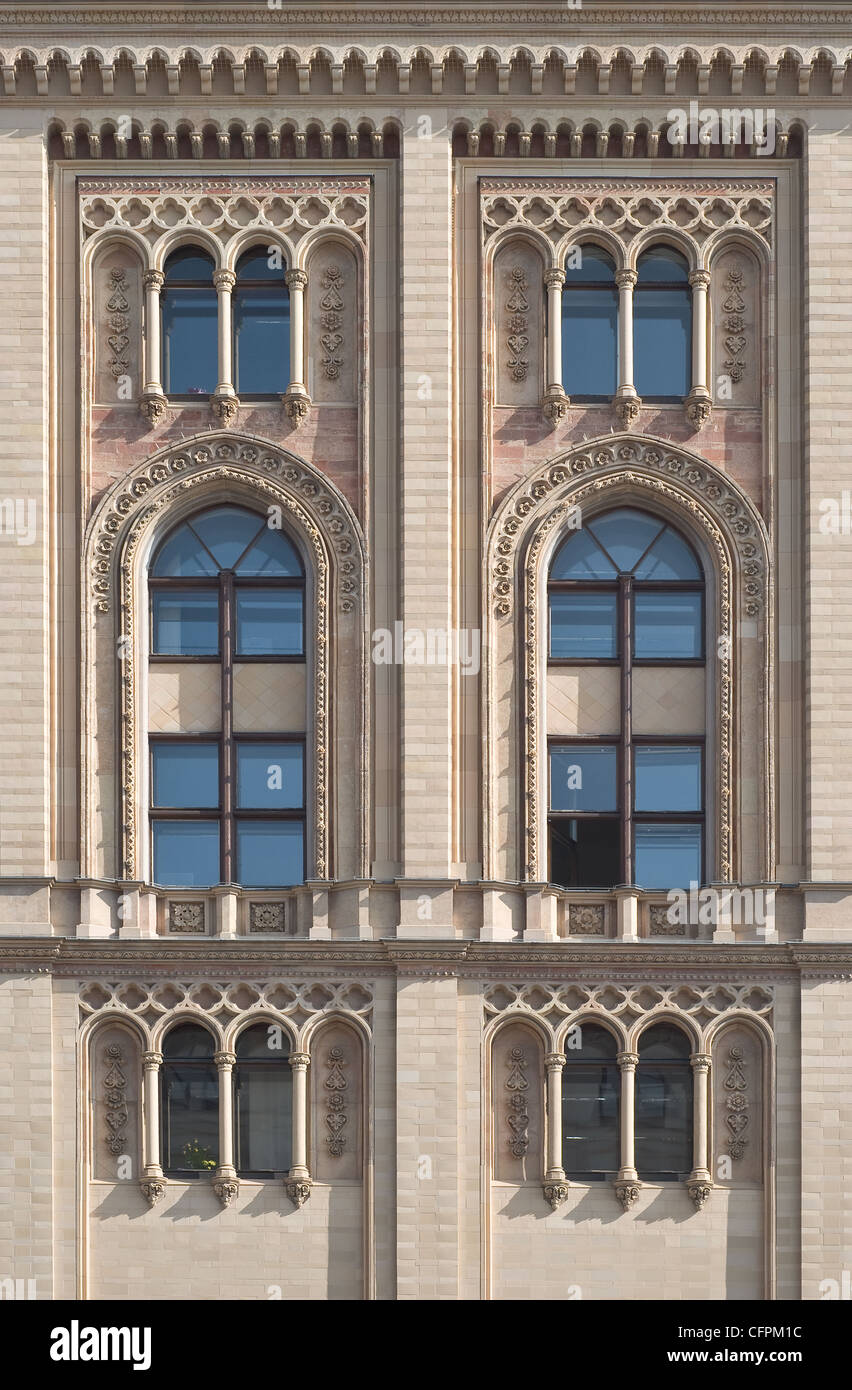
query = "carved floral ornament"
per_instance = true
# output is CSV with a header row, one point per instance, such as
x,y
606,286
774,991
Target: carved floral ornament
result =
x,y
697,211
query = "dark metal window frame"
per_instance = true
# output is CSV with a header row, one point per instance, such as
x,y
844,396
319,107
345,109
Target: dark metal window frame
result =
x,y
625,587
227,739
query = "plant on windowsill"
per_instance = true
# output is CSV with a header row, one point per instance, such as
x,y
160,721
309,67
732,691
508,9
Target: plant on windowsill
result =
x,y
197,1158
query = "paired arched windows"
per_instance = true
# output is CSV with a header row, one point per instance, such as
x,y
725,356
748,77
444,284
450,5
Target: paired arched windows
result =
x,y
251,309
641,345
227,597
626,592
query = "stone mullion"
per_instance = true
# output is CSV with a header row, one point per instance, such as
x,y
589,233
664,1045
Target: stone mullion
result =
x,y
556,1188
224,401
699,1183
153,402
297,402
153,1180
226,1183
298,1180
626,401
555,403
698,403
627,1185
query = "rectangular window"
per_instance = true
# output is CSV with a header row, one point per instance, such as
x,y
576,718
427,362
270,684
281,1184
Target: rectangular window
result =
x,y
190,1117
185,622
668,856
590,343
590,1095
583,778
270,853
585,853
270,776
262,1114
269,622
668,626
668,777
583,626
190,342
662,342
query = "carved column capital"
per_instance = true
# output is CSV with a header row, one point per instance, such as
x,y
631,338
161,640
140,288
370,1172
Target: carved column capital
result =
x,y
554,277
627,405
627,1191
700,279
555,405
699,1190
698,408
297,405
554,1061
226,1189
700,1061
626,279
299,1061
225,408
153,279
225,1060
224,279
628,1061
152,1060
296,279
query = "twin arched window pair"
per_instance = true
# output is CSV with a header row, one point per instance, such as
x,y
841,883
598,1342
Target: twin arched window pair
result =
x,y
260,324
262,1101
591,1106
662,326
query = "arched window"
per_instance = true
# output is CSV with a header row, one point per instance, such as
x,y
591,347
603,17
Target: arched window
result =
x,y
627,591
261,324
664,1113
189,1102
662,326
263,1103
590,1105
227,590
190,307
589,325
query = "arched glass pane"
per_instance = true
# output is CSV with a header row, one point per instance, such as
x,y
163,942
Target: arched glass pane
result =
x,y
261,311
227,532
590,1106
182,555
263,1089
188,1042
669,558
625,534
590,326
189,263
190,314
579,557
271,554
664,1104
662,325
662,265
664,1042
258,264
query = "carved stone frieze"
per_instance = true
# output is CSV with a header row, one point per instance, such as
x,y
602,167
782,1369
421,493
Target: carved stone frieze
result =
x,y
151,1001
560,1001
734,324
699,210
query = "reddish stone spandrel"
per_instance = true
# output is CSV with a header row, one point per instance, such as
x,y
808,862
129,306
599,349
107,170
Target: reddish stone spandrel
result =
x,y
523,441
328,439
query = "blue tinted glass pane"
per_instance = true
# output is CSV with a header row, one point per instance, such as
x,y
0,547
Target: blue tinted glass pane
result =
x,y
185,774
227,531
667,626
262,341
668,778
583,778
662,265
185,622
258,264
270,853
662,342
588,263
183,555
583,626
188,263
269,776
190,344
269,622
669,558
589,342
581,558
625,534
664,1043
186,853
188,1041
668,856
270,554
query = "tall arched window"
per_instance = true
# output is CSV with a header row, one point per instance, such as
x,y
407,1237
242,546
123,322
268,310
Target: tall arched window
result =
x,y
662,326
589,325
189,1102
627,806
227,590
261,324
190,307
664,1105
263,1103
590,1105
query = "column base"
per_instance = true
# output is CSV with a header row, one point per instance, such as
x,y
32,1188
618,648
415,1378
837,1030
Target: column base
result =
x,y
152,1186
225,408
298,1190
297,405
556,1191
698,408
555,405
627,1188
153,405
226,1185
627,406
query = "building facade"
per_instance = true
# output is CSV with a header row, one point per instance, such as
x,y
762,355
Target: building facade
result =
x,y
425,839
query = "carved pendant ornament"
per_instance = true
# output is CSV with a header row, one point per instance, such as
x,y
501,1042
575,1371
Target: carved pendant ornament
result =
x,y
518,1117
118,322
733,324
336,1118
518,306
115,1100
331,320
736,1103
